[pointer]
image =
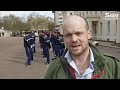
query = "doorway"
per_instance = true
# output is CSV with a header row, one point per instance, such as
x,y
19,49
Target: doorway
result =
x,y
94,28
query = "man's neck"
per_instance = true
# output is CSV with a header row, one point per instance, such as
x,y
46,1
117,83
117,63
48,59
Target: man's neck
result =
x,y
82,61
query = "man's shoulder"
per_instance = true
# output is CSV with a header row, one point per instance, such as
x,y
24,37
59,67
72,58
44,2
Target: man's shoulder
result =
x,y
113,66
107,56
54,65
111,58
55,61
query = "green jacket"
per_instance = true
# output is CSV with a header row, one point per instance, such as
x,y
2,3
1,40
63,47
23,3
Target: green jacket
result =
x,y
106,67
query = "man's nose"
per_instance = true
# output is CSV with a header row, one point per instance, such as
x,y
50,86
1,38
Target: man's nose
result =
x,y
74,38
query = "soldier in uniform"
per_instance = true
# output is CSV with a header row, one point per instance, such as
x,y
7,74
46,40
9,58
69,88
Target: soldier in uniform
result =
x,y
46,47
56,44
34,40
32,44
52,40
61,45
27,45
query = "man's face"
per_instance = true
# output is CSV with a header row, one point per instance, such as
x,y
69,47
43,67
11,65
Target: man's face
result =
x,y
45,36
76,37
26,34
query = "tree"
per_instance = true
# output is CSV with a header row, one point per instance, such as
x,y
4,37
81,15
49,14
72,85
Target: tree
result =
x,y
32,21
39,22
51,24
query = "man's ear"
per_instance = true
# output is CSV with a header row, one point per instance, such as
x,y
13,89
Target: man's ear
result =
x,y
89,34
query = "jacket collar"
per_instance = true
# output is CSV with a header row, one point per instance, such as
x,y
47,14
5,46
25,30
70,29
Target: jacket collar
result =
x,y
99,63
99,60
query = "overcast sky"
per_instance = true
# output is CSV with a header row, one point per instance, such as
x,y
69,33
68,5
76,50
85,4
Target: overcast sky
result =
x,y
26,13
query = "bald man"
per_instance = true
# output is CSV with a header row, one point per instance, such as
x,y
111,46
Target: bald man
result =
x,y
81,60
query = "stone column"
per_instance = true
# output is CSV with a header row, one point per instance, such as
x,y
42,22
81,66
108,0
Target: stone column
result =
x,y
93,12
89,12
90,25
112,30
104,30
99,31
56,17
85,13
118,30
61,29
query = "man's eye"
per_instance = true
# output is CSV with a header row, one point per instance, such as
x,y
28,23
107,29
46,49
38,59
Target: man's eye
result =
x,y
78,34
68,35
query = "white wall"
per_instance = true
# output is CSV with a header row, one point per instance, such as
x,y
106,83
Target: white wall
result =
x,y
6,33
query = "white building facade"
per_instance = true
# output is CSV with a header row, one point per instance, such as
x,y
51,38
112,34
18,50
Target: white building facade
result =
x,y
104,25
4,33
58,19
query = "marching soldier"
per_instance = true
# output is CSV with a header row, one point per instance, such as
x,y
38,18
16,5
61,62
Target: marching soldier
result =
x,y
27,45
52,40
33,41
32,44
61,45
56,44
43,43
46,47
